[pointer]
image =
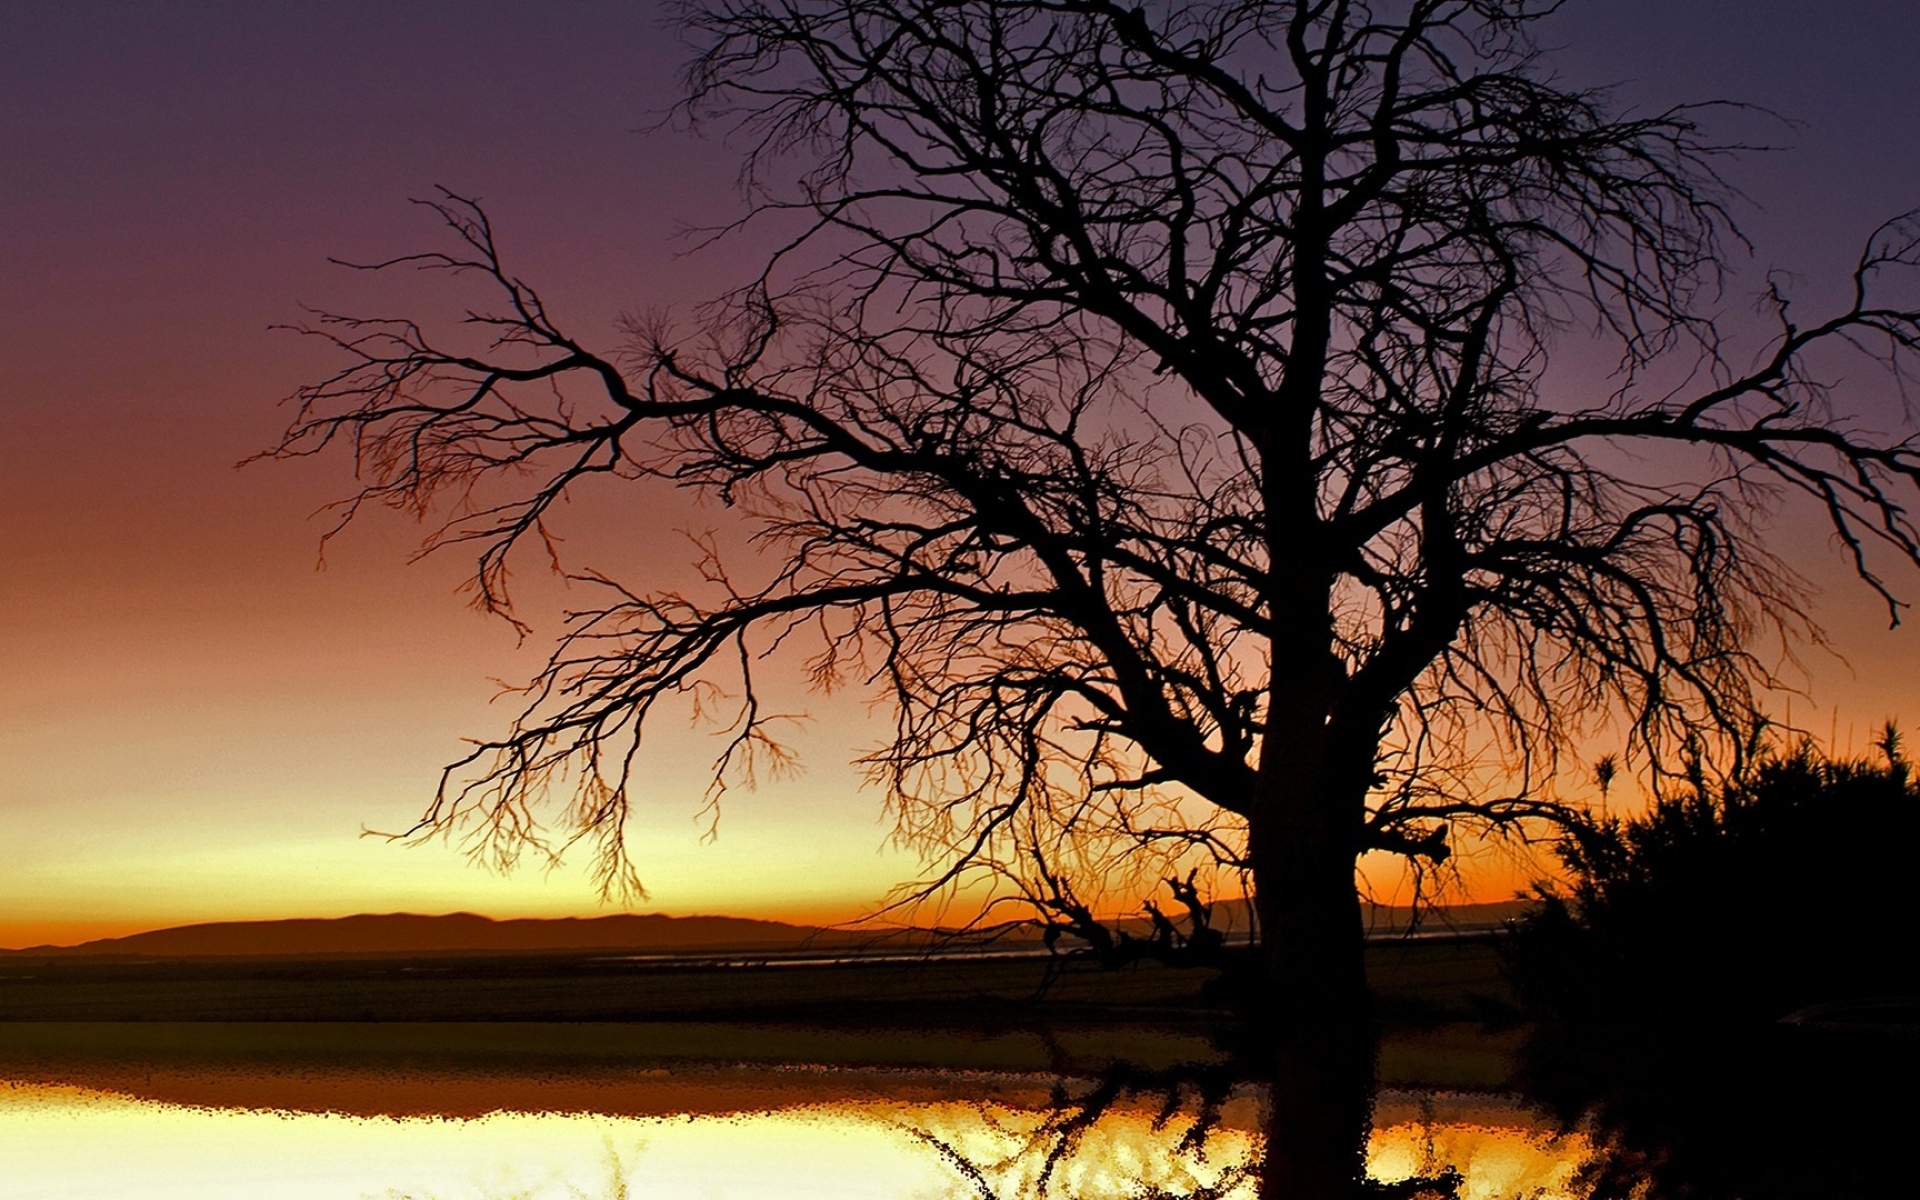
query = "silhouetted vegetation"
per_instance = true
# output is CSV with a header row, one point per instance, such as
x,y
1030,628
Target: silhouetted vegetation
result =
x,y
1786,888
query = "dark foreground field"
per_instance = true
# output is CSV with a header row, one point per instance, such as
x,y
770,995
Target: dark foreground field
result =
x,y
571,1012
1415,979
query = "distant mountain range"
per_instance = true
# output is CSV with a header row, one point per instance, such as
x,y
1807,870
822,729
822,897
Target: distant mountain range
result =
x,y
371,934
457,933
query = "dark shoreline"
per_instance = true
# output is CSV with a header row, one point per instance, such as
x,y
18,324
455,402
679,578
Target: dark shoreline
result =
x,y
1422,979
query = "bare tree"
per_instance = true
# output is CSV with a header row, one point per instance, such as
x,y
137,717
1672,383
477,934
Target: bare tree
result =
x,y
1158,407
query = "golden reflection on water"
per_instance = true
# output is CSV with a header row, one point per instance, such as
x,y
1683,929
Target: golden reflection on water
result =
x,y
69,1142
1004,1152
1500,1147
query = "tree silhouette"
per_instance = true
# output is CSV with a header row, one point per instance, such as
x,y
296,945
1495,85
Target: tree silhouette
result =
x,y
1158,408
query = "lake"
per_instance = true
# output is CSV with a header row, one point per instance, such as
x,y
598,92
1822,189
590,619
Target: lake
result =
x,y
214,1130
396,1111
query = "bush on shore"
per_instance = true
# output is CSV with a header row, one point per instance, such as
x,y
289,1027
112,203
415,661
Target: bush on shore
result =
x,y
1789,887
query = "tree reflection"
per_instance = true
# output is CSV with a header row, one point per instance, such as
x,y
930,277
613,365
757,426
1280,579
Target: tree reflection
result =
x,y
1792,1115
1299,1129
1781,1113
1192,1132
1135,1132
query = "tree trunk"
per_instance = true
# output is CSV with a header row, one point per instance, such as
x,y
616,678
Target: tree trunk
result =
x,y
1312,1004
1312,937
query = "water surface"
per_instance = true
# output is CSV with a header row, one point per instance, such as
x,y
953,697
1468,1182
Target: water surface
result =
x,y
322,1133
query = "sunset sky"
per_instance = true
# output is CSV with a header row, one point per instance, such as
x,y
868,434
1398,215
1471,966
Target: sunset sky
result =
x,y
196,723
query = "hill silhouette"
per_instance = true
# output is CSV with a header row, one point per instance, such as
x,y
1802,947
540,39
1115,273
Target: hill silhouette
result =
x,y
458,933
463,933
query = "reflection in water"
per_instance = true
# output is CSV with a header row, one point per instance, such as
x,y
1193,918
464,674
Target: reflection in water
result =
x,y
1191,1141
1152,1135
1498,1147
1137,1138
62,1143
1737,1113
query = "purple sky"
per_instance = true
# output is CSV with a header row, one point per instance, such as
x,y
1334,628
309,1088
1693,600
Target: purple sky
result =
x,y
195,723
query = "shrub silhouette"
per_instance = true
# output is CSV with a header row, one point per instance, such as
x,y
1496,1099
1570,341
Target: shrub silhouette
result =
x,y
1740,902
